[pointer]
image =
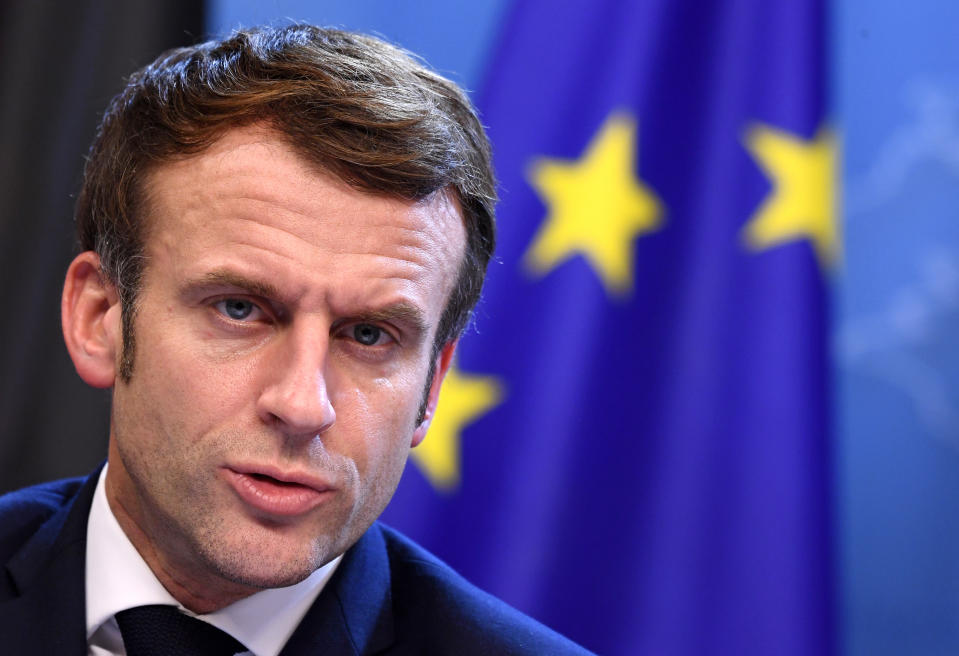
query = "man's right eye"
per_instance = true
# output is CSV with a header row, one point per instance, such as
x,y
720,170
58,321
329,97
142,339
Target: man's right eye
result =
x,y
239,309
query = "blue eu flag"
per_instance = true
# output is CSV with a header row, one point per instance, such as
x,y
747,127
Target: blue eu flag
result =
x,y
633,446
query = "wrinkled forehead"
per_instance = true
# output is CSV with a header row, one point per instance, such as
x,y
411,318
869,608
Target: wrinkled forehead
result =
x,y
234,160
253,199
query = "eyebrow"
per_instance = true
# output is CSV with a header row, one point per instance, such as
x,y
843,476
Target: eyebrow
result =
x,y
230,279
401,311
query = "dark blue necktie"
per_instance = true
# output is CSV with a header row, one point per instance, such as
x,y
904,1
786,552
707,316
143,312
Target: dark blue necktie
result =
x,y
164,630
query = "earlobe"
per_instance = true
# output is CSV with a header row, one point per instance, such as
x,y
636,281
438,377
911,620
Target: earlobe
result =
x,y
90,316
443,362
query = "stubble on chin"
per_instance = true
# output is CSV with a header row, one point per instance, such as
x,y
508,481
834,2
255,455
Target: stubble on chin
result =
x,y
202,531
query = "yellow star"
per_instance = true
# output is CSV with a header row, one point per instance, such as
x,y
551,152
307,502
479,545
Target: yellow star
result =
x,y
802,204
462,399
596,207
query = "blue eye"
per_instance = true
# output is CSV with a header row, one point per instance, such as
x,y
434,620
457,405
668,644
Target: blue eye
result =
x,y
236,308
366,334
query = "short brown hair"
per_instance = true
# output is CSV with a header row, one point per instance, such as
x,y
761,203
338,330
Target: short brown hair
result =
x,y
362,109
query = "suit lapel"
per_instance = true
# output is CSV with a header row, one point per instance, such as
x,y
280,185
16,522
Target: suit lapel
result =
x,y
49,616
353,614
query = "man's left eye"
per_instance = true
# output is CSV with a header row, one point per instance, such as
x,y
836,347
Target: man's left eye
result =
x,y
238,309
369,335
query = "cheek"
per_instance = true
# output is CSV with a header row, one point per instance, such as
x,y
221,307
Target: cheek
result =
x,y
190,394
199,357
375,423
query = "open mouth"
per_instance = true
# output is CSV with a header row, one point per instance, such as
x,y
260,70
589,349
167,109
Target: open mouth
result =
x,y
263,478
275,496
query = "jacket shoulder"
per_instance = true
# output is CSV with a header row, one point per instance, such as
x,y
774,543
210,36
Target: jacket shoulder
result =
x,y
24,511
439,609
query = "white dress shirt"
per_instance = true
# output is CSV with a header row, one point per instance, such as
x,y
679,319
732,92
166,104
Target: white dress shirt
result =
x,y
117,578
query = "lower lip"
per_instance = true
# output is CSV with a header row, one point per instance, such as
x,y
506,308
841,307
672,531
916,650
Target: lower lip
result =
x,y
273,497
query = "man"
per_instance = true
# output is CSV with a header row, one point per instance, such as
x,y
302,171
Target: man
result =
x,y
284,234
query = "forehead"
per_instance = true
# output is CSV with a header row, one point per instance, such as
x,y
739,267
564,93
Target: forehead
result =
x,y
251,193
256,163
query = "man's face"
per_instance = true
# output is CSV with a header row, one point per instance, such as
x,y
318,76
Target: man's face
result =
x,y
283,339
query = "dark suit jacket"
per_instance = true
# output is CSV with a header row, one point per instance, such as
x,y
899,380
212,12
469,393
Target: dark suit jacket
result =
x,y
387,596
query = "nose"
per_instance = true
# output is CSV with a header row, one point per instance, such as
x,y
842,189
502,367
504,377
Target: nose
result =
x,y
295,398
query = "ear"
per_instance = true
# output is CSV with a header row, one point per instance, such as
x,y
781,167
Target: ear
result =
x,y
443,362
90,315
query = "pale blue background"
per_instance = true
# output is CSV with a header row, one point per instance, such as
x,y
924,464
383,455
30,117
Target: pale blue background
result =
x,y
896,97
897,91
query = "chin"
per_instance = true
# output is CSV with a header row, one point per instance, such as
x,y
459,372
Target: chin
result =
x,y
262,578
265,561
263,572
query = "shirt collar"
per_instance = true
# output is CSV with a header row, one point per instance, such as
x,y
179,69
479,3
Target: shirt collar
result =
x,y
118,578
